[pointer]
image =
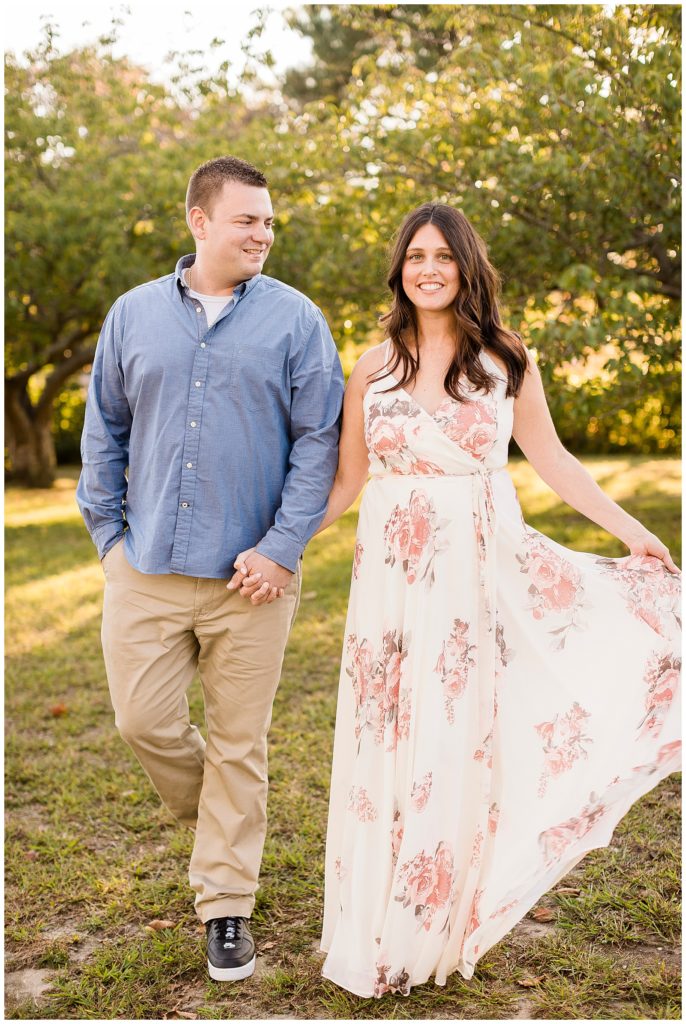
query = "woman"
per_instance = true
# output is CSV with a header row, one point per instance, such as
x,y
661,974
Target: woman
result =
x,y
503,700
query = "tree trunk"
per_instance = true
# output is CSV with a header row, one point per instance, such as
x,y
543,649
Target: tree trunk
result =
x,y
28,439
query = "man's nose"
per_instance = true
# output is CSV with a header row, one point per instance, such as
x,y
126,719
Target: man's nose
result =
x,y
262,234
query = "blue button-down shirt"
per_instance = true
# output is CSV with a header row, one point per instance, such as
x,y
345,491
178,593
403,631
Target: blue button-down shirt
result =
x,y
200,442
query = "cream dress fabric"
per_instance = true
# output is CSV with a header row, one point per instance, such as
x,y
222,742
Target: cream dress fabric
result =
x,y
503,700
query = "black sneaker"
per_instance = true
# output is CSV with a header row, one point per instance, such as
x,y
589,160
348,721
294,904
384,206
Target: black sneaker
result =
x,y
230,949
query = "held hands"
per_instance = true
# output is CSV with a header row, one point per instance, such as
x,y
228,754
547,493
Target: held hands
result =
x,y
258,577
642,542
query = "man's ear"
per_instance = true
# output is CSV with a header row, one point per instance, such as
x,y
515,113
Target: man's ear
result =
x,y
196,218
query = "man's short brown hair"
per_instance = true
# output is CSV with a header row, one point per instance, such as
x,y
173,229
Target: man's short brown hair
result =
x,y
208,180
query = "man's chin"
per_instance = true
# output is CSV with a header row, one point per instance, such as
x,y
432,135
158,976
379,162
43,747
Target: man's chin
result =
x,y
252,267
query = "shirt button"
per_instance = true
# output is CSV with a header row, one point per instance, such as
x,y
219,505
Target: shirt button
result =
x,y
189,465
198,309
193,423
184,504
202,344
198,383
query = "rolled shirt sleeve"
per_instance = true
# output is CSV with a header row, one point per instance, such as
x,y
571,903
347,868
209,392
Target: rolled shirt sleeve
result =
x,y
317,385
102,485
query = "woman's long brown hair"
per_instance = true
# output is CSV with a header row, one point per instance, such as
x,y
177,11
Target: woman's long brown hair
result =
x,y
477,316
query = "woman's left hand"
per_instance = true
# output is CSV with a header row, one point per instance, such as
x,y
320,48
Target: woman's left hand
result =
x,y
646,543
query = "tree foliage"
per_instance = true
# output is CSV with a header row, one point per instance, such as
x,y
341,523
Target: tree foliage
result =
x,y
555,128
97,162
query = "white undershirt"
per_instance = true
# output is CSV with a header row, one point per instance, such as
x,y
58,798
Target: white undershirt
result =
x,y
212,304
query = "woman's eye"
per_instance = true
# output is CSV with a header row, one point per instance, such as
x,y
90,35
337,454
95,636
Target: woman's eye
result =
x,y
414,256
446,256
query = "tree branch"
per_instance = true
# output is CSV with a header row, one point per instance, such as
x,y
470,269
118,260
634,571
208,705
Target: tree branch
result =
x,y
57,378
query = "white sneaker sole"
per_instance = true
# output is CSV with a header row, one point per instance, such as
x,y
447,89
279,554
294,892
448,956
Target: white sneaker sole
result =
x,y
231,973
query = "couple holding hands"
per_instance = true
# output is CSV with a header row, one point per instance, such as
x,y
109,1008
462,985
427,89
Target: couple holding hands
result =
x,y
503,700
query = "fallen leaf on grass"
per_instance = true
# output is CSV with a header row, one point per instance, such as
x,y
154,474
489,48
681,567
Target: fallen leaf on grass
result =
x,y
267,945
309,595
543,914
184,1014
567,890
31,855
57,710
531,982
158,926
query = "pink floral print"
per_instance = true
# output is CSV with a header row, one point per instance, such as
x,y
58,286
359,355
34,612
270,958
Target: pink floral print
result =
x,y
504,654
554,841
426,883
484,752
413,536
662,676
389,433
361,805
502,908
381,707
666,752
474,921
564,742
555,586
472,424
454,664
397,832
398,982
421,791
477,843
652,593
357,559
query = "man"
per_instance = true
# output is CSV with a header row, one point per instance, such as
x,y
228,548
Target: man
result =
x,y
211,432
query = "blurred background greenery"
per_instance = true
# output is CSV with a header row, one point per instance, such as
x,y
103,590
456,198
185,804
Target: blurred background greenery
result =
x,y
555,128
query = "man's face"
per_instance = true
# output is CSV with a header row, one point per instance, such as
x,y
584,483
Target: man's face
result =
x,y
238,234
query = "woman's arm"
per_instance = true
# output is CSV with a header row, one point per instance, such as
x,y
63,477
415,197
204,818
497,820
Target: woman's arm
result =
x,y
535,434
353,454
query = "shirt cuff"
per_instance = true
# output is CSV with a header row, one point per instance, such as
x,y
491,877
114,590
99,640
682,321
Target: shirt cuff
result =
x,y
107,535
280,549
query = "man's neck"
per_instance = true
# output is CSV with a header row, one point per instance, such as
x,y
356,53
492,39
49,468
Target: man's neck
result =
x,y
205,281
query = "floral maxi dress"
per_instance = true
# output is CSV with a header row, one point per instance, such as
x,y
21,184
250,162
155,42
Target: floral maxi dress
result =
x,y
503,700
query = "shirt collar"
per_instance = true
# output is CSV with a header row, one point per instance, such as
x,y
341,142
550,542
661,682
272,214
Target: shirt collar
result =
x,y
187,261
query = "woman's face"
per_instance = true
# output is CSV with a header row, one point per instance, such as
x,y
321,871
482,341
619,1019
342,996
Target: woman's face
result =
x,y
430,276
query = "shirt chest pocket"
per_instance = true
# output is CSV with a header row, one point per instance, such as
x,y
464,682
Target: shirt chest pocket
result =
x,y
258,378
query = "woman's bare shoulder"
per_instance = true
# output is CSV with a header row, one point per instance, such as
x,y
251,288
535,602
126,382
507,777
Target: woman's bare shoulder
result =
x,y
370,362
502,365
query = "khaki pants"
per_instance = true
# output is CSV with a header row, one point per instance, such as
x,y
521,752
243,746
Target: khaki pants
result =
x,y
156,630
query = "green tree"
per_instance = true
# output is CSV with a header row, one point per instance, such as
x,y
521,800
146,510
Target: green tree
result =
x,y
556,129
97,162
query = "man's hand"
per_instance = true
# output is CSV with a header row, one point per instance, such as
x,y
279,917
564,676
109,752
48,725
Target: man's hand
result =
x,y
258,577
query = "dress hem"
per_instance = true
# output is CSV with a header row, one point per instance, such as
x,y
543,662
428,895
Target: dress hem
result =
x,y
605,831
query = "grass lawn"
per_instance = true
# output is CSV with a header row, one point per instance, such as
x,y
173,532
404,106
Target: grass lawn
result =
x,y
92,858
